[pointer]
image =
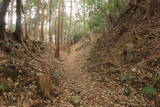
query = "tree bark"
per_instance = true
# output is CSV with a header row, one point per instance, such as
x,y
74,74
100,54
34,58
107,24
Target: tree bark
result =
x,y
151,7
62,16
37,21
70,25
58,33
42,27
11,17
84,14
25,28
3,9
19,32
42,21
29,23
25,25
50,15
55,31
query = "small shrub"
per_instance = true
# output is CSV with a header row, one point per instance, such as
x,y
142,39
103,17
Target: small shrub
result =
x,y
56,74
116,70
127,91
5,85
149,91
122,79
131,78
2,87
75,100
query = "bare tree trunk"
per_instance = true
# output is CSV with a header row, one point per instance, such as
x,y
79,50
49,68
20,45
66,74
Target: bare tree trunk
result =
x,y
58,33
29,24
37,21
50,15
62,16
46,25
84,15
151,8
25,27
11,17
25,24
42,27
55,31
3,9
70,25
42,22
19,32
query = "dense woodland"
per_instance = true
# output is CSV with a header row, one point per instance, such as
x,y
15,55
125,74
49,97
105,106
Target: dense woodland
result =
x,y
80,53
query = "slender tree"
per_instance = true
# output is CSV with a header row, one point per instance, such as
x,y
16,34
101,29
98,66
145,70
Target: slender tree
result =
x,y
37,20
42,21
42,27
3,9
70,27
30,23
11,16
25,20
25,27
84,14
55,30
151,4
19,32
50,15
62,18
58,32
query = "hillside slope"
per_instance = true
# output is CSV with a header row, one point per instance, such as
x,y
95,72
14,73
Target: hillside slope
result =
x,y
131,49
19,70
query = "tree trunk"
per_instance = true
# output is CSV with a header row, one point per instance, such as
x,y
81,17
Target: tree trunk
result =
x,y
50,15
11,17
37,21
70,25
151,7
62,16
58,33
19,32
29,24
42,27
3,9
55,31
25,26
84,15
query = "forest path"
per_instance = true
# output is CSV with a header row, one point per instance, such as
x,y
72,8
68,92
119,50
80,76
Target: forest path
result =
x,y
77,82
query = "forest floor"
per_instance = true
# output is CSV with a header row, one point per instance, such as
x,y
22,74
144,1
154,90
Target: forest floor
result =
x,y
119,69
77,87
78,83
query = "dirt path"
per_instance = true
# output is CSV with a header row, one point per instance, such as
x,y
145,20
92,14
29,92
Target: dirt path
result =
x,y
78,83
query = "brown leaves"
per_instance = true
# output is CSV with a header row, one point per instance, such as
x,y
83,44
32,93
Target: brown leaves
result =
x,y
21,66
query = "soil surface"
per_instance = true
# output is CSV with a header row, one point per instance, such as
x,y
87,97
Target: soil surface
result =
x,y
78,82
